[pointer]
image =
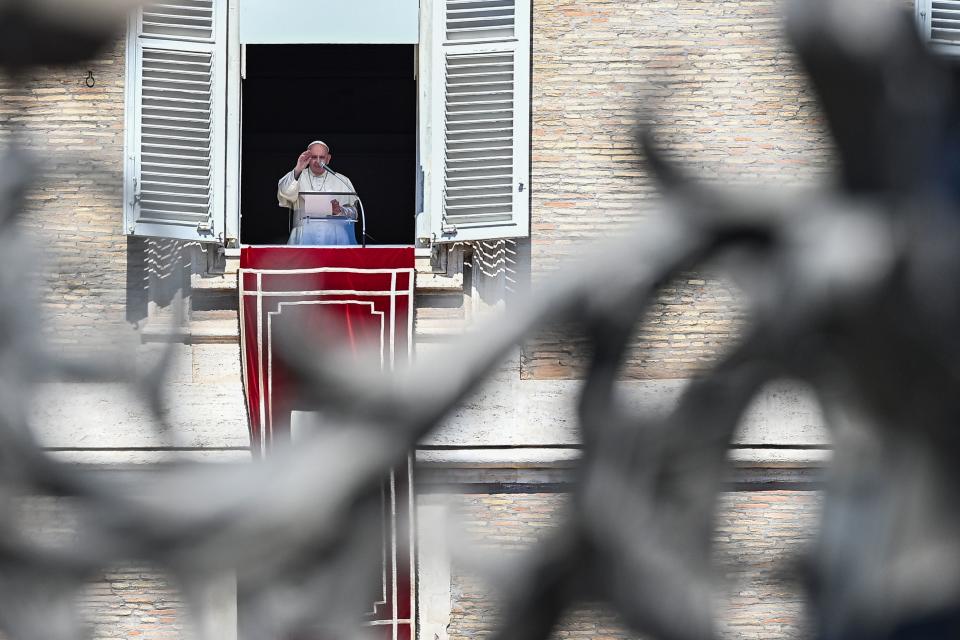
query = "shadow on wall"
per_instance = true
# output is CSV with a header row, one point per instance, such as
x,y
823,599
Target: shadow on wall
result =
x,y
157,269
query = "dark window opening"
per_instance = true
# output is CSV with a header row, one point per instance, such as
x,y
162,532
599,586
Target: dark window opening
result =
x,y
359,99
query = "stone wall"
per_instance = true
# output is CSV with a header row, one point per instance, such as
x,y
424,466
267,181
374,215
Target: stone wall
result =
x,y
129,601
716,78
758,533
723,89
74,205
133,602
727,101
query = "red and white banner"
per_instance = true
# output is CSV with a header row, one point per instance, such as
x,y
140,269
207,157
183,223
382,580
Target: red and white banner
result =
x,y
350,298
347,297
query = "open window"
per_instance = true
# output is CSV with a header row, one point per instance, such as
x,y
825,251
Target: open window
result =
x,y
426,107
360,100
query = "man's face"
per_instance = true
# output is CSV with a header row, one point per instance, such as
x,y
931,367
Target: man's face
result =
x,y
318,154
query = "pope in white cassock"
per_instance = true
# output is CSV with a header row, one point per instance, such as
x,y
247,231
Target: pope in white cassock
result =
x,y
311,174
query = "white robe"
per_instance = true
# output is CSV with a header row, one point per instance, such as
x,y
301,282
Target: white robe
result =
x,y
318,232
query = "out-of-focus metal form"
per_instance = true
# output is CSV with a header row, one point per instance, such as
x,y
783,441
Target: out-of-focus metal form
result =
x,y
853,290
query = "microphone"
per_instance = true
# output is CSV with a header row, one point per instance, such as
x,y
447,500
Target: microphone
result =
x,y
363,215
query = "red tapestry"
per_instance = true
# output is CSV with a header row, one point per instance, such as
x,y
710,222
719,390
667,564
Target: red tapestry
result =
x,y
349,298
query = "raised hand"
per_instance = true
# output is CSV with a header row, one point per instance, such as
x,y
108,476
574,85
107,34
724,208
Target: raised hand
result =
x,y
303,160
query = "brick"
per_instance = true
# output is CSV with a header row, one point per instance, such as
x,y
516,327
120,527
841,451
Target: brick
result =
x,y
757,607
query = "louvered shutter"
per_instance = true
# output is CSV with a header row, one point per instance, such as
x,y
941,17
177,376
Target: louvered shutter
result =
x,y
940,24
175,120
481,111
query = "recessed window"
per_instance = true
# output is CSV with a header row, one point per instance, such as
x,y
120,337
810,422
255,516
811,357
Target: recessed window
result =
x,y
361,100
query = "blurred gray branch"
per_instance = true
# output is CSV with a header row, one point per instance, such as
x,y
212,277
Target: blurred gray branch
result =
x,y
851,290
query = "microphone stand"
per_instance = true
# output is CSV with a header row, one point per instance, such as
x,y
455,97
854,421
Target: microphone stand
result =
x,y
363,215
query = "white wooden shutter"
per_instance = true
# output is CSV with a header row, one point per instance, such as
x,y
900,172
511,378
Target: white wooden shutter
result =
x,y
940,24
481,111
176,100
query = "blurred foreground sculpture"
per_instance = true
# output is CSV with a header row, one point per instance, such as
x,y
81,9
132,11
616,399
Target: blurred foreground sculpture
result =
x,y
852,290
43,32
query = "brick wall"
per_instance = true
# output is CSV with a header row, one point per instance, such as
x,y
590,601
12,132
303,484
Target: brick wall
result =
x,y
758,532
729,100
693,320
74,206
729,103
133,602
127,601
